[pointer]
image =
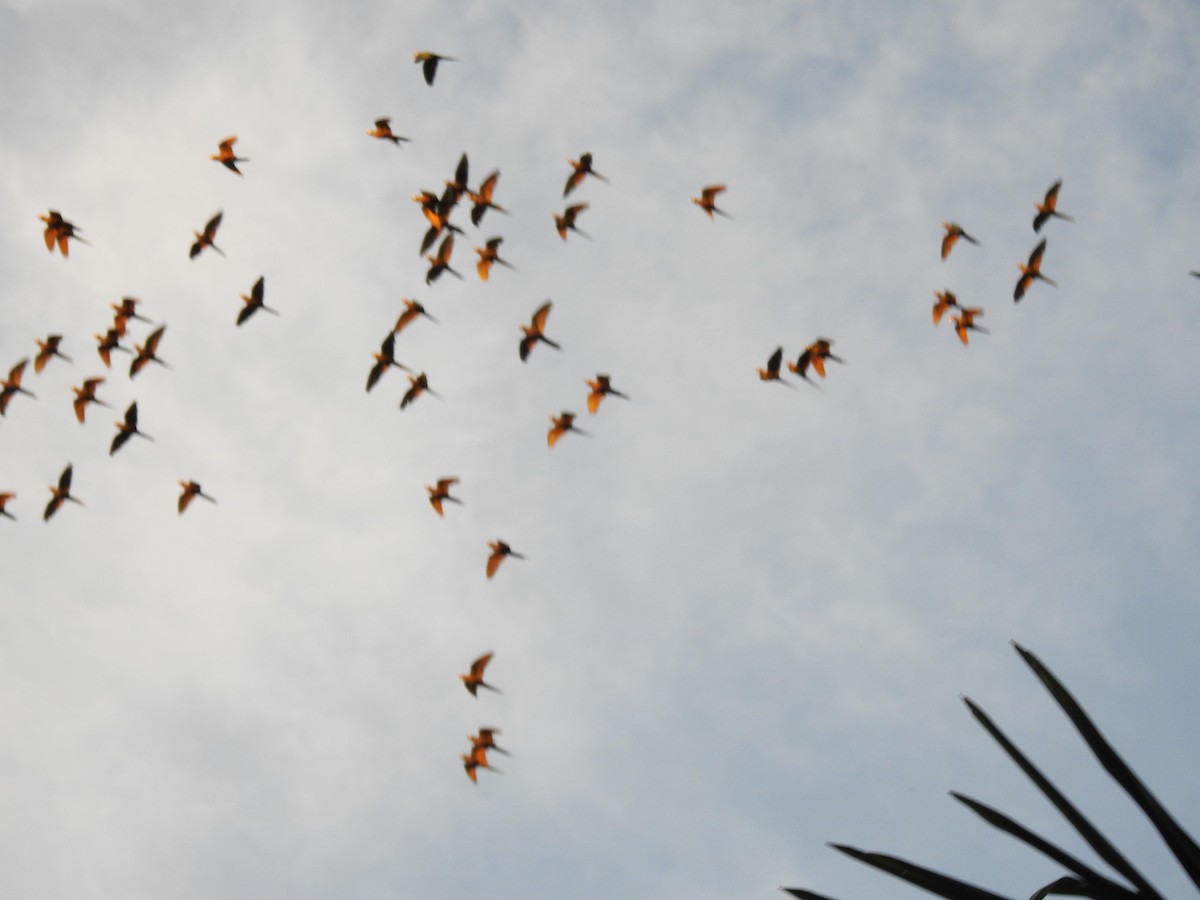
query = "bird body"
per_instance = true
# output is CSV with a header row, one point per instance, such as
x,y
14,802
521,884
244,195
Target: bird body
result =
x,y
58,231
226,157
254,302
965,322
206,237
580,168
599,388
440,262
1048,208
146,353
1031,271
123,312
441,492
418,384
481,202
383,359
566,222
85,395
47,349
707,200
489,253
535,331
560,425
383,131
191,490
771,372
4,498
126,429
429,63
945,300
473,680
499,551
954,231
412,309
60,493
11,386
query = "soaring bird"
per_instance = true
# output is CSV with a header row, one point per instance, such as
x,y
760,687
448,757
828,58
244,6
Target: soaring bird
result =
x,y
206,237
707,200
437,212
254,302
489,253
965,322
561,424
818,352
123,312
566,222
1031,271
476,759
107,343
771,372
127,429
85,395
486,738
579,169
441,492
145,353
535,331
599,388
4,498
473,680
412,309
383,131
459,185
383,359
225,155
945,300
191,490
954,231
429,63
418,384
47,349
61,494
11,386
441,261
499,551
481,202
59,231
1049,207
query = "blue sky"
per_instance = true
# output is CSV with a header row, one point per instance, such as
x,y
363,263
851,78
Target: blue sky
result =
x,y
748,612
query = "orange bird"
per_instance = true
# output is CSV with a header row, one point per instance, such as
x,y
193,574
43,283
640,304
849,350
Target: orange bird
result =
x,y
954,231
966,322
226,157
11,386
418,384
437,212
599,388
535,331
566,222
107,343
441,262
473,681
61,494
1049,207
59,230
486,738
47,349
815,355
383,131
127,429
412,309
124,311
499,551
85,395
581,168
191,489
384,358
771,372
254,302
945,300
1031,271
440,492
459,186
476,760
429,63
482,201
707,200
489,253
4,498
561,425
145,353
205,238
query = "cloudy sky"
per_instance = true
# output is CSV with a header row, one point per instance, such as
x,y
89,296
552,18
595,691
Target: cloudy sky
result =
x,y
748,611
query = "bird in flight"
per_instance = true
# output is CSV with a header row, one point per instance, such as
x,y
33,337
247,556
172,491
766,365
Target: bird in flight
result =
x,y
579,169
441,261
1031,271
59,231
383,359
11,386
191,490
383,131
945,300
599,388
412,309
499,551
85,395
965,322
127,429
418,384
1049,207
226,157
124,311
566,222
61,493
771,372
954,231
489,253
4,498
486,738
561,424
206,237
441,492
815,355
107,343
473,680
481,202
254,302
707,200
535,331
145,353
47,349
477,759
429,63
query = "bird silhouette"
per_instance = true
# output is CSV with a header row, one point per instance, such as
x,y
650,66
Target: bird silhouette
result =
x,y
127,429
412,309
107,343
535,331
85,395
47,349
707,200
206,237
475,760
429,63
440,492
123,312
486,738
225,155
11,386
489,253
459,185
499,551
191,490
1049,207
561,424
61,493
580,168
566,222
771,372
383,359
254,302
599,388
473,680
945,300
418,385
383,131
147,353
1031,271
965,321
59,231
481,202
4,498
440,262
954,231
818,351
